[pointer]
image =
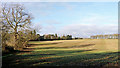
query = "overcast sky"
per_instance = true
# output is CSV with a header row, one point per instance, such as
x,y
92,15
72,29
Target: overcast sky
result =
x,y
79,19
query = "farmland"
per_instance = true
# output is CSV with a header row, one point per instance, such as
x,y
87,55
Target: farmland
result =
x,y
82,52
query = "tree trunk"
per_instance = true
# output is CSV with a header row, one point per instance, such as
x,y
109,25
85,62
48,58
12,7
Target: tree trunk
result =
x,y
15,45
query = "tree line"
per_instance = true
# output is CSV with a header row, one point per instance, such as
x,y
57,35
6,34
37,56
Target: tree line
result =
x,y
110,36
54,37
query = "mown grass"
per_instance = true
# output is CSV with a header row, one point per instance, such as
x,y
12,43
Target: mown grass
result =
x,y
102,52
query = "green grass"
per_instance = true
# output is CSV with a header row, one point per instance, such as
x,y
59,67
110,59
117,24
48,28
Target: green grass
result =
x,y
103,52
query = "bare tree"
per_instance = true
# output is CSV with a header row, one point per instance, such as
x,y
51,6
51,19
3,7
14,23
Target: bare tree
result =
x,y
15,16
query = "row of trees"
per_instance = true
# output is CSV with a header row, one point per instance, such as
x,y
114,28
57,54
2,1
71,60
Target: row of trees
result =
x,y
55,37
15,27
111,36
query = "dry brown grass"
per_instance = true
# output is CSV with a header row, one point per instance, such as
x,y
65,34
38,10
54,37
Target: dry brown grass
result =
x,y
84,44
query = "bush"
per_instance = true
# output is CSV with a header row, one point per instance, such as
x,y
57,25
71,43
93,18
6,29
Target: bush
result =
x,y
7,49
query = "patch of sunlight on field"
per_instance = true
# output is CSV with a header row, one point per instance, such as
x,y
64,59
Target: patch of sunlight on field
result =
x,y
87,45
97,44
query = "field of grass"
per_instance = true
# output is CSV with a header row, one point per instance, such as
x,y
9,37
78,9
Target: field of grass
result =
x,y
84,52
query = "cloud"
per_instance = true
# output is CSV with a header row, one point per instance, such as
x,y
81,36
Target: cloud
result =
x,y
98,19
93,24
48,29
87,30
49,26
46,8
37,26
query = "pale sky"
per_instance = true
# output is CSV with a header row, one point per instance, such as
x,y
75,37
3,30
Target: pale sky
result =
x,y
59,0
79,19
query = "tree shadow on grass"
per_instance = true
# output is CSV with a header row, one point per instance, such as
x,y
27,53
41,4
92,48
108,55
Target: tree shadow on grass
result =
x,y
36,59
44,44
75,46
95,59
14,60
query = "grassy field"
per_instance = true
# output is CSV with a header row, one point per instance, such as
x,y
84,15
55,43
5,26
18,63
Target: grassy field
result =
x,y
85,52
